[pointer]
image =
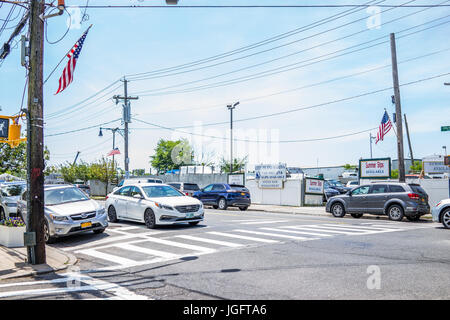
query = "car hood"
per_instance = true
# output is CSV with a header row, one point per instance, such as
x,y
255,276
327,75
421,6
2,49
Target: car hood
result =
x,y
12,199
67,209
176,201
331,190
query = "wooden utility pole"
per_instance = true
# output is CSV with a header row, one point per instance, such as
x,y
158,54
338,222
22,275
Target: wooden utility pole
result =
x,y
398,112
35,134
409,141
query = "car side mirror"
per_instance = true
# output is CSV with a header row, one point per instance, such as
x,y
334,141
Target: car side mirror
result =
x,y
138,196
349,193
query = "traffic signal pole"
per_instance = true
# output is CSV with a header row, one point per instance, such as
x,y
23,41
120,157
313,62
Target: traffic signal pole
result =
x,y
35,126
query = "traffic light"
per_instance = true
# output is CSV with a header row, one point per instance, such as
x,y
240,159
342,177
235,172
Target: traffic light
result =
x,y
10,131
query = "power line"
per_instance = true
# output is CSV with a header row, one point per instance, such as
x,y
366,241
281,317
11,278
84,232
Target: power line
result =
x,y
82,129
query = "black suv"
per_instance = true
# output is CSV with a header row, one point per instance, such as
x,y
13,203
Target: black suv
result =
x,y
394,199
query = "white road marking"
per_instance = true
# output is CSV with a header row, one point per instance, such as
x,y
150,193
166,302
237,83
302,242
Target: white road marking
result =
x,y
274,235
128,228
152,252
351,230
298,232
263,222
363,228
106,256
315,228
181,245
222,243
242,237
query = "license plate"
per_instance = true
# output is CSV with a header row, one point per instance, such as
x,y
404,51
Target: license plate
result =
x,y
86,225
242,194
189,215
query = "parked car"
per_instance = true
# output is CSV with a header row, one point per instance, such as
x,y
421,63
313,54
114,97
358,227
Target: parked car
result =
x,y
125,182
187,188
350,174
335,184
67,211
9,194
352,184
329,192
393,199
223,195
441,213
84,187
153,204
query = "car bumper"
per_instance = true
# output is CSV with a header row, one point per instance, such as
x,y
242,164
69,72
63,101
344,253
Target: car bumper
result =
x,y
165,217
417,209
67,228
240,202
435,212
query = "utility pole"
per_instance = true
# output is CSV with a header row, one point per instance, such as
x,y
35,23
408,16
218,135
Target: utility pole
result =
x,y
409,141
126,120
76,157
398,111
231,107
35,125
371,138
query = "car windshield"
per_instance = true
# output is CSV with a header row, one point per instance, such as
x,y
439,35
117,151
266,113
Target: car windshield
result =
x,y
63,195
336,183
191,186
161,191
12,190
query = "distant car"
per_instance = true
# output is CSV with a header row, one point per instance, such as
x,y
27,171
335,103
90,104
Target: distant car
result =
x,y
329,192
352,184
441,213
394,199
187,188
349,174
223,195
153,204
335,184
125,182
9,194
84,187
67,211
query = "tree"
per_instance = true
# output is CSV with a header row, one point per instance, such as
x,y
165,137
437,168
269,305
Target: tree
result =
x,y
13,160
171,155
68,172
238,164
416,167
349,167
103,170
394,174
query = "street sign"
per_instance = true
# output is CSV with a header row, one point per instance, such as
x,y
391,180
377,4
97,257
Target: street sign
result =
x,y
375,168
445,128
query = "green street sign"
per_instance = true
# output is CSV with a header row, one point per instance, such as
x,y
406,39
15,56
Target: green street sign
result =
x,y
445,128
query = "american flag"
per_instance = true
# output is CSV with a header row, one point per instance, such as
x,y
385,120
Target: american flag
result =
x,y
113,152
384,128
67,75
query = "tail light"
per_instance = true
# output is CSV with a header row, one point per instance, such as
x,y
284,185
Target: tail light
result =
x,y
186,193
413,196
106,198
438,203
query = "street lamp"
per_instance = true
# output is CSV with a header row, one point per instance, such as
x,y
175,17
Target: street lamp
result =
x,y
114,130
445,150
231,107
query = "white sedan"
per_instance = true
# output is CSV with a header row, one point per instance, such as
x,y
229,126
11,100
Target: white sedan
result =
x,y
154,204
441,213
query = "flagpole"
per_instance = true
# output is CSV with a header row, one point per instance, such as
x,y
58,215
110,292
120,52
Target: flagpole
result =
x,y
63,58
392,124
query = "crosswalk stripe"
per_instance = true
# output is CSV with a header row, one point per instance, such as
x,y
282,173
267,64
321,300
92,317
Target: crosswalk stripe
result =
x,y
273,235
263,222
349,229
222,243
242,237
297,232
149,251
107,256
181,245
363,227
128,228
315,228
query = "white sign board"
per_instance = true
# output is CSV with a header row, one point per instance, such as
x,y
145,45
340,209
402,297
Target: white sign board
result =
x,y
375,168
270,184
435,167
236,179
270,172
313,186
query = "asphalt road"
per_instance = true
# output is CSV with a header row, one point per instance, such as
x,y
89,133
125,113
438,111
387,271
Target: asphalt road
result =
x,y
252,255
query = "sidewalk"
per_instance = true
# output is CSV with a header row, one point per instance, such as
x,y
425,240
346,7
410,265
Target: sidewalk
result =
x,y
13,262
314,211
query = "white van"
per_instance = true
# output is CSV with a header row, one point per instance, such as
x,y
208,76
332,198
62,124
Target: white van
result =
x,y
125,182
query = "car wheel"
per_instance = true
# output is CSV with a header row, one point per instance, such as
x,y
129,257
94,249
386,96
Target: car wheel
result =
x,y
98,231
413,218
356,215
338,210
222,204
47,238
194,223
2,214
243,208
112,215
149,218
446,218
395,213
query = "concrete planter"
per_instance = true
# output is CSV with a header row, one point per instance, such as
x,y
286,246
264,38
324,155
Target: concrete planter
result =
x,y
12,237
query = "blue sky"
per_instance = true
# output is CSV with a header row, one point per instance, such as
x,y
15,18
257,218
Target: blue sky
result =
x,y
130,41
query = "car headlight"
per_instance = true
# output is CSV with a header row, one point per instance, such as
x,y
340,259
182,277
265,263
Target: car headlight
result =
x,y
101,212
58,218
163,206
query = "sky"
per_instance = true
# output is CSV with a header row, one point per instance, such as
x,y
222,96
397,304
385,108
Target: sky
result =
x,y
319,76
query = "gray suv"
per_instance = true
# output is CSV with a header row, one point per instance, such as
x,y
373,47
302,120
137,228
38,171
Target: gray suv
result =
x,y
393,199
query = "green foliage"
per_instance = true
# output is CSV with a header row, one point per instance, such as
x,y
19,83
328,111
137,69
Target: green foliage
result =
x,y
13,222
171,155
13,160
394,174
138,172
416,167
238,164
349,166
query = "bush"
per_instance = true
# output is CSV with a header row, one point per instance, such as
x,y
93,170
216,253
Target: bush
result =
x,y
13,222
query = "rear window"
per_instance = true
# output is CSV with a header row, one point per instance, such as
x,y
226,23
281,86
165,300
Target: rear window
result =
x,y
191,186
395,188
175,185
417,189
238,187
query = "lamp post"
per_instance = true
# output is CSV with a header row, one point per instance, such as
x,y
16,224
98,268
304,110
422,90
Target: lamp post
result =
x,y
445,150
114,130
231,107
